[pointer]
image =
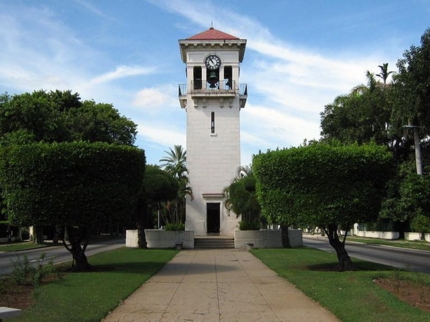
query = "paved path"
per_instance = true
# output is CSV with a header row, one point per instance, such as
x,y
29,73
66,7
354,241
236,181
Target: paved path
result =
x,y
218,285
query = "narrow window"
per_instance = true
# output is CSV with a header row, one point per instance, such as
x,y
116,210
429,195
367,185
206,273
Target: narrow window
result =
x,y
212,122
228,77
197,77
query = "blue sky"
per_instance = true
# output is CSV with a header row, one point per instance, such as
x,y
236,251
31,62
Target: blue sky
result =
x,y
300,55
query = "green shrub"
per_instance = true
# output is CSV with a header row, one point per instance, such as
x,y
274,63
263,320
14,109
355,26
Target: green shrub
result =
x,y
174,227
421,224
25,274
245,225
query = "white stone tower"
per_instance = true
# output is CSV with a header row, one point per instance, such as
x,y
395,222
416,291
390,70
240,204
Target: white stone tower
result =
x,y
212,99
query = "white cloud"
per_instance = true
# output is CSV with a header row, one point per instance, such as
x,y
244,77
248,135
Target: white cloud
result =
x,y
122,72
151,98
162,134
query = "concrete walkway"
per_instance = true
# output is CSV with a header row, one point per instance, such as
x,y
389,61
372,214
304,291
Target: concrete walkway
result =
x,y
218,285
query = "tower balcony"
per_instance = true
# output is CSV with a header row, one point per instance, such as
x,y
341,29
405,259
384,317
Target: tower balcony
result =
x,y
224,88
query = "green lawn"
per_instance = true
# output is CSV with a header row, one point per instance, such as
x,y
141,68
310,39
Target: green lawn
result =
x,y
85,297
13,247
351,296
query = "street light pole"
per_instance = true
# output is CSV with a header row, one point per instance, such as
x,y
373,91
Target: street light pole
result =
x,y
417,148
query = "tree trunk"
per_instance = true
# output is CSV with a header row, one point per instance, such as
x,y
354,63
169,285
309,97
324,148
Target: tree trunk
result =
x,y
140,220
344,261
75,237
38,235
56,235
285,238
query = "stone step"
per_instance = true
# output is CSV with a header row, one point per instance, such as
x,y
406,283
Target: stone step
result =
x,y
213,243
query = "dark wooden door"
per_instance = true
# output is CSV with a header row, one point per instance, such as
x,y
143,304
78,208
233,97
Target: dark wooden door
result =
x,y
213,217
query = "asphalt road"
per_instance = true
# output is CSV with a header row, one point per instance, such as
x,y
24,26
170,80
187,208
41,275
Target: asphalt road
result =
x,y
408,259
58,253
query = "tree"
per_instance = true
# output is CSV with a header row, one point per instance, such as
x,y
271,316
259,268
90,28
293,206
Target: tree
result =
x,y
361,117
384,74
74,185
242,198
158,187
409,200
331,187
175,164
412,90
61,117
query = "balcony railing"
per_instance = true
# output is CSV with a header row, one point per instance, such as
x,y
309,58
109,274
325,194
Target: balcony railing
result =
x,y
224,86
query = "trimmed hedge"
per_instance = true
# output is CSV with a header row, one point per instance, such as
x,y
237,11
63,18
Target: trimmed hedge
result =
x,y
318,185
70,184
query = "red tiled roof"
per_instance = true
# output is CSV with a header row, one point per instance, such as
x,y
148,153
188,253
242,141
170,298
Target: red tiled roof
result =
x,y
212,34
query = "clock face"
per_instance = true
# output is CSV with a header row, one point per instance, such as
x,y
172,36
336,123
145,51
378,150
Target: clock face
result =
x,y
212,62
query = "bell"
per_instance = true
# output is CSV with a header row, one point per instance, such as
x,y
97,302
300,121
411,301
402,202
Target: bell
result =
x,y
213,78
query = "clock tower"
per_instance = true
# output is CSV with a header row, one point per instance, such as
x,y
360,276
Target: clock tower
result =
x,y
212,99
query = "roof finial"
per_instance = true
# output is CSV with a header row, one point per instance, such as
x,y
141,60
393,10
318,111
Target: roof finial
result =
x,y
212,25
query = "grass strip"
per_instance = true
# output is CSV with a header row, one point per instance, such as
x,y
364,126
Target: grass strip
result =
x,y
351,296
87,297
411,244
20,246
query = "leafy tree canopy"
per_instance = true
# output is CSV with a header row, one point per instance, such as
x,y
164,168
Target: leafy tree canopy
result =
x,y
159,185
60,116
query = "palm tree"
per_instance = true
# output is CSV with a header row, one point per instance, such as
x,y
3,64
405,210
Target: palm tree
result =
x,y
175,164
175,161
384,73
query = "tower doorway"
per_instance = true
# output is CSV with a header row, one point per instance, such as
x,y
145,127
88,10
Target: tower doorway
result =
x,y
213,217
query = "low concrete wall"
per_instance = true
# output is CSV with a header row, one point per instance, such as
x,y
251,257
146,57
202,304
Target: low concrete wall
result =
x,y
296,237
378,234
131,238
416,236
4,240
413,236
157,238
266,238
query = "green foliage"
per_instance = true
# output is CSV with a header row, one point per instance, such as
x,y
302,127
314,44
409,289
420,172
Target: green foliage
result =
x,y
249,225
408,195
421,224
412,90
24,273
361,116
70,184
61,117
159,185
175,165
377,112
319,185
243,199
174,227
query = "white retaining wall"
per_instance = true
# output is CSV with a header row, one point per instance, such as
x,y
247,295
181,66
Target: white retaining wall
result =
x,y
156,238
266,238
378,234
